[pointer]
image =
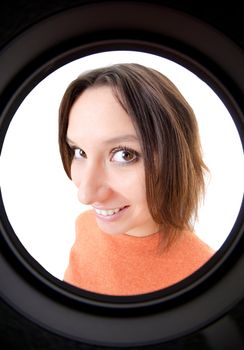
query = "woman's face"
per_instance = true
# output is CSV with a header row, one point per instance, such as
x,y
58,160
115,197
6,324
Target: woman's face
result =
x,y
108,167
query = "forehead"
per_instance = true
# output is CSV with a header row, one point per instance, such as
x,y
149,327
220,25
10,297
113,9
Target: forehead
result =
x,y
98,113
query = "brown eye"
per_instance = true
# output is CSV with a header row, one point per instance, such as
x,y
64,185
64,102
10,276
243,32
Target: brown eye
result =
x,y
127,156
79,153
124,156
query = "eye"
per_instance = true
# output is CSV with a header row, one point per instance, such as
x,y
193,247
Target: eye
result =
x,y
79,153
124,155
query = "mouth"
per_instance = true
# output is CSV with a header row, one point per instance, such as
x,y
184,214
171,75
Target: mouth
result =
x,y
108,212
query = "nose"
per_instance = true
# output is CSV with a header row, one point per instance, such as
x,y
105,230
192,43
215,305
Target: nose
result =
x,y
93,185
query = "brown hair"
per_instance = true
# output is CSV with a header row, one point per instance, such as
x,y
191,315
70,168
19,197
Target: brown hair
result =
x,y
168,133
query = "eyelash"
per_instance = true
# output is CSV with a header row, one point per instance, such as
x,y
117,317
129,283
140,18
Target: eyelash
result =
x,y
127,149
73,149
113,152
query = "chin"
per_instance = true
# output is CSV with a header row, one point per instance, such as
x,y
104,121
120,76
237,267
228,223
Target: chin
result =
x,y
108,229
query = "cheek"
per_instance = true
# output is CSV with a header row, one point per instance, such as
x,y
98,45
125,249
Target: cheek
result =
x,y
75,174
138,192
130,184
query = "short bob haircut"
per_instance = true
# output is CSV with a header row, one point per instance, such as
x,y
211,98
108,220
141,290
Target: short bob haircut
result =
x,y
168,133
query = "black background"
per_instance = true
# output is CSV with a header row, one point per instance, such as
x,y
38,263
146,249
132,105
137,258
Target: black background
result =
x,y
16,332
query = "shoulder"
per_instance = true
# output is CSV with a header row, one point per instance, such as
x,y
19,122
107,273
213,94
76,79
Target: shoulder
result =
x,y
85,225
203,248
85,219
192,250
85,231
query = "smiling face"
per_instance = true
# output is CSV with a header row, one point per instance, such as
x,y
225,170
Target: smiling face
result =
x,y
107,165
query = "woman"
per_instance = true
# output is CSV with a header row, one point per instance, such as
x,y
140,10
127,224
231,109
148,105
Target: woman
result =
x,y
130,143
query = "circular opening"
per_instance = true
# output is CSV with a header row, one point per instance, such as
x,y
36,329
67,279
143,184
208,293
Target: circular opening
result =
x,y
43,209
58,306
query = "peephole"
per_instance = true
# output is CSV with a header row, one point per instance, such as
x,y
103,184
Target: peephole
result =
x,y
37,202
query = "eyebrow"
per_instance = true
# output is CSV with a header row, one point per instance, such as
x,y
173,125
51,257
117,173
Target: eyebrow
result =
x,y
117,139
122,138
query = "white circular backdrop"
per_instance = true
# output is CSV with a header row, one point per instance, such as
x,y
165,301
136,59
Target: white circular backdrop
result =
x,y
41,202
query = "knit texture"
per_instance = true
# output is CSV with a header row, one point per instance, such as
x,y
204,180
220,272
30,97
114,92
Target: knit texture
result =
x,y
129,265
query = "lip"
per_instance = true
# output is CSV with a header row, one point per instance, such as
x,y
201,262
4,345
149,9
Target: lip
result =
x,y
113,217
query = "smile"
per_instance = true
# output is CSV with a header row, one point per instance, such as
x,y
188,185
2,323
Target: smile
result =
x,y
107,212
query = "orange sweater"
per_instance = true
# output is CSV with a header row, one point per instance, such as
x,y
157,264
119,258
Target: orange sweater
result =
x,y
127,265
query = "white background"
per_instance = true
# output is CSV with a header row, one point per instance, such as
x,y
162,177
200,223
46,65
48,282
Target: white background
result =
x,y
41,202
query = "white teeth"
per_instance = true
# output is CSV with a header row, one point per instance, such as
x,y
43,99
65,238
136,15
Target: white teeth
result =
x,y
106,212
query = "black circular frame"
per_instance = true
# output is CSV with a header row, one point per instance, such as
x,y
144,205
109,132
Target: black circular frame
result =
x,y
117,321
